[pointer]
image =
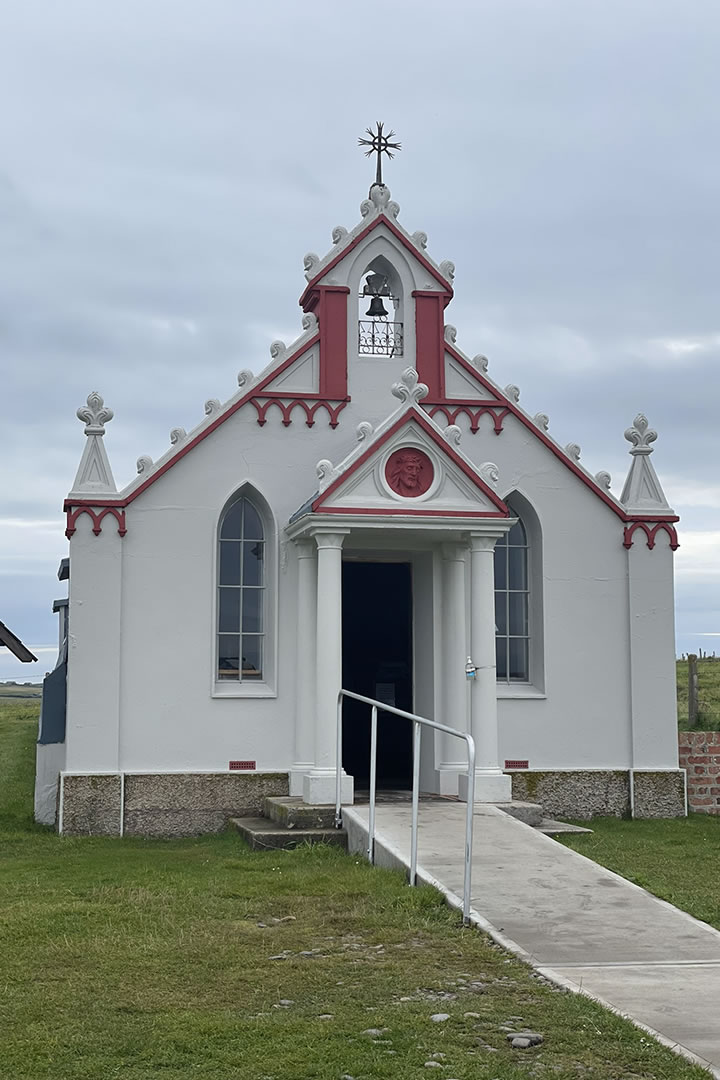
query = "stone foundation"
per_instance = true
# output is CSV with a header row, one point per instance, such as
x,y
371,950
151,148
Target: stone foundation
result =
x,y
589,793
164,804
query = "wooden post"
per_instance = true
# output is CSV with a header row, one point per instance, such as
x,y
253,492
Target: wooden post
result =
x,y
692,689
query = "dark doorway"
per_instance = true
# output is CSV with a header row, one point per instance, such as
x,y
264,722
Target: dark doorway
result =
x,y
377,662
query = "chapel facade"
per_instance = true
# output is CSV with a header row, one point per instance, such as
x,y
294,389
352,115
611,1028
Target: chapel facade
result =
x,y
372,511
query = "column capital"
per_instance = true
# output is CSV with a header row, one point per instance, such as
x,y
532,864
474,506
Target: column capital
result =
x,y
482,542
332,539
305,548
454,552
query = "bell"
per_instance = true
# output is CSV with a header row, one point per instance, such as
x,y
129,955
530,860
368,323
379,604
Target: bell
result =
x,y
376,309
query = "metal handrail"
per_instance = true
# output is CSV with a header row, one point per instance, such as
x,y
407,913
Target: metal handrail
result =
x,y
418,723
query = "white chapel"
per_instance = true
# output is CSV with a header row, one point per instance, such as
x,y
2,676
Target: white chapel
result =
x,y
370,512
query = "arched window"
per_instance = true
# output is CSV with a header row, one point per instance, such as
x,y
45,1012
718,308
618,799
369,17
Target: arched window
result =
x,y
242,594
380,322
512,605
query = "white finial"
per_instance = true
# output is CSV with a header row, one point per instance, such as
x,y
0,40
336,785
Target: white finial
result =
x,y
450,334
513,392
489,472
541,420
310,264
177,436
212,406
144,463
420,239
480,362
278,349
245,377
409,389
326,473
453,434
309,322
603,479
339,234
573,451
641,435
447,269
95,414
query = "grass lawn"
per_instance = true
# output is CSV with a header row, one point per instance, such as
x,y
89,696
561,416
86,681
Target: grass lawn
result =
x,y
676,859
708,695
198,958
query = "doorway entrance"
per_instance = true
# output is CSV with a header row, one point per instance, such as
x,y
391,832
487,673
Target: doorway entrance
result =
x,y
377,662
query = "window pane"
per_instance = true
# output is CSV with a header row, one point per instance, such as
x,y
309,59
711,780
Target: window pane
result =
x,y
253,556
500,612
230,562
501,657
228,656
229,618
518,658
232,522
252,528
517,568
500,567
516,537
252,657
252,610
518,614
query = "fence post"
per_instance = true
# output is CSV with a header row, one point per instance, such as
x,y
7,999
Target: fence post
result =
x,y
692,689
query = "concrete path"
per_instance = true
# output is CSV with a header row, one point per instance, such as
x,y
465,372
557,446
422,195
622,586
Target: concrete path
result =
x,y
578,923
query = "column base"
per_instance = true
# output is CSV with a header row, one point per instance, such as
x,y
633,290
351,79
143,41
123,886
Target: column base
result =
x,y
491,785
296,776
319,788
446,779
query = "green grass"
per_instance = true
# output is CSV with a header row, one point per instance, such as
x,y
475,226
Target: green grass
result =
x,y
708,695
676,859
143,959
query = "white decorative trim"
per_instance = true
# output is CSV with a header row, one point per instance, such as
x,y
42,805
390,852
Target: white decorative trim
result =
x,y
420,239
245,378
339,234
453,434
177,435
640,434
144,463
513,392
450,334
278,350
541,420
642,492
409,389
212,406
95,414
311,262
364,430
310,322
489,473
326,474
447,269
480,362
603,479
573,451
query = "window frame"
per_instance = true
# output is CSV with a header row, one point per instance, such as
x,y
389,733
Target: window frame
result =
x,y
265,686
534,685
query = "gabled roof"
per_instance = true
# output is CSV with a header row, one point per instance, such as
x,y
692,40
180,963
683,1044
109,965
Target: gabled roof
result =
x,y
15,645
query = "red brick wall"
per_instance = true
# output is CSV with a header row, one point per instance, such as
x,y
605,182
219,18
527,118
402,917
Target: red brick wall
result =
x,y
700,755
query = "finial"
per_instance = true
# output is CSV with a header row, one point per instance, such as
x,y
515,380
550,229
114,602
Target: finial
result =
x,y
95,415
641,435
379,144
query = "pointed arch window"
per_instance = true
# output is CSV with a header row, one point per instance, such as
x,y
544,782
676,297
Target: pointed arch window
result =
x,y
512,605
242,594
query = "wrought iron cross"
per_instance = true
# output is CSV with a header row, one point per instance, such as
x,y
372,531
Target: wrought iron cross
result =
x,y
379,144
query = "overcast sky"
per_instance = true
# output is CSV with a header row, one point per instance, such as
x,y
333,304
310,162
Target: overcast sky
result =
x,y
165,165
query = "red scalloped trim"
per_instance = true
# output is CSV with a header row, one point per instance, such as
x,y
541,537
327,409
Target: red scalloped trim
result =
x,y
97,518
651,530
310,405
452,411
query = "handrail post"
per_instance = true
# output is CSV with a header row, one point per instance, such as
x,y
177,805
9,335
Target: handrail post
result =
x,y
338,762
469,829
417,730
373,784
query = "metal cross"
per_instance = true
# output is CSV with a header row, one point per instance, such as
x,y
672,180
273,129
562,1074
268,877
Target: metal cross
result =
x,y
379,144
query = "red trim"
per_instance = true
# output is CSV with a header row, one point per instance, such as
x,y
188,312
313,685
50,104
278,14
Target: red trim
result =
x,y
651,533
97,518
422,421
381,219
473,413
430,341
286,407
401,511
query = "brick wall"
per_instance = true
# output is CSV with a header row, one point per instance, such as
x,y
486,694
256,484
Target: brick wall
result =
x,y
700,755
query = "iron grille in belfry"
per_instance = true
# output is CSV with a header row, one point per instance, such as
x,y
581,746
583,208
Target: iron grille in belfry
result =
x,y
378,338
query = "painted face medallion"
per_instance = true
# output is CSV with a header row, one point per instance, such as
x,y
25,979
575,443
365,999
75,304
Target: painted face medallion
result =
x,y
409,472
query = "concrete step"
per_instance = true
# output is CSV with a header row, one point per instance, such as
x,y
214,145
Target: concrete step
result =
x,y
529,812
263,835
292,813
557,828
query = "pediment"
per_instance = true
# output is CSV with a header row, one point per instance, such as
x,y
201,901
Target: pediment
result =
x,y
302,377
412,470
463,384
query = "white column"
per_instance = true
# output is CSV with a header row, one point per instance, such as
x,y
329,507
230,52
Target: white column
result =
x,y
491,784
304,759
319,783
451,752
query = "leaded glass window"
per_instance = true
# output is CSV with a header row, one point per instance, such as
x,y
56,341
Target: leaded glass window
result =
x,y
512,597
241,594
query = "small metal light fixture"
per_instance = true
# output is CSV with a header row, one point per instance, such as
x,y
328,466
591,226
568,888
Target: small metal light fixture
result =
x,y
470,669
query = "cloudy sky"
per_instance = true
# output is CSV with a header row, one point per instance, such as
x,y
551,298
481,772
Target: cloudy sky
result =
x,y
165,165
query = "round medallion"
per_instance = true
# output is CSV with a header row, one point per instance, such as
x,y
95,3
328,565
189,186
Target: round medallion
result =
x,y
409,472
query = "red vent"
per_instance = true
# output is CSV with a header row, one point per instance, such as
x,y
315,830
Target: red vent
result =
x,y
513,764
242,765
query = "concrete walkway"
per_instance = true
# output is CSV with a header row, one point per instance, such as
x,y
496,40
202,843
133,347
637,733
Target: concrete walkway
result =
x,y
579,924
